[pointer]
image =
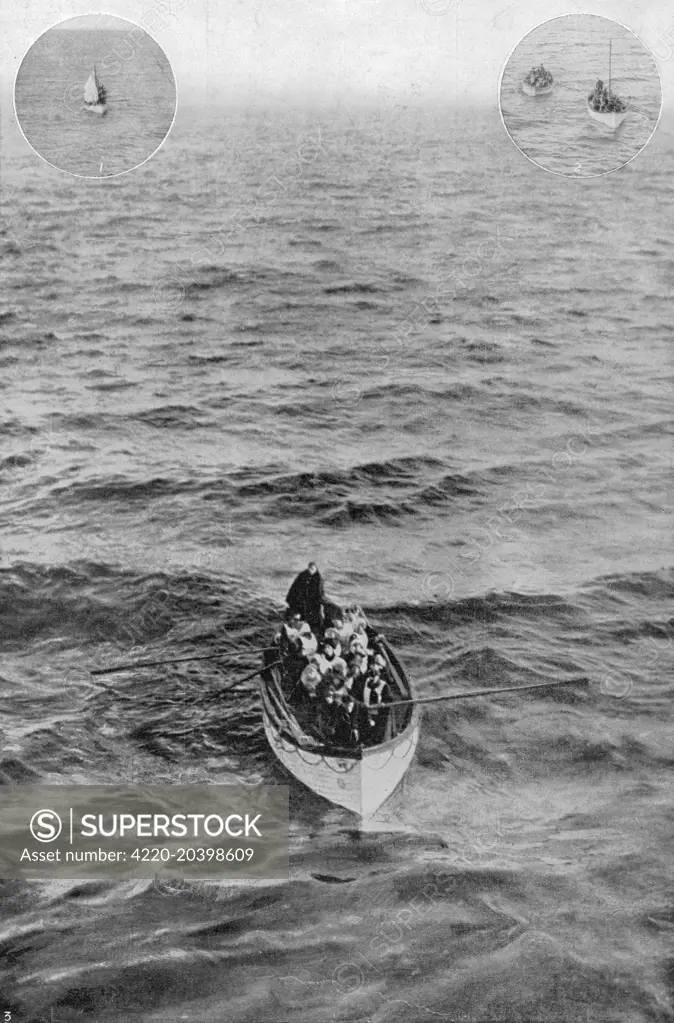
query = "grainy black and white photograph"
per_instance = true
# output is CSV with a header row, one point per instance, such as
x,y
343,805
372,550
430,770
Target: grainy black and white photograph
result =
x,y
336,461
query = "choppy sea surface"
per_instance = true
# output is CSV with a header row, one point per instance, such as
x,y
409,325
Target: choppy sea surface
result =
x,y
387,341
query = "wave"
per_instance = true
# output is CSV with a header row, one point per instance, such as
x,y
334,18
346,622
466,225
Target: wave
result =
x,y
484,352
656,585
14,771
205,360
489,609
120,489
351,511
214,277
16,462
88,590
455,485
98,602
172,416
391,473
98,599
357,288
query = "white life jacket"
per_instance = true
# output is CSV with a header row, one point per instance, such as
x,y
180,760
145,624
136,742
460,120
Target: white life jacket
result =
x,y
308,640
310,678
321,662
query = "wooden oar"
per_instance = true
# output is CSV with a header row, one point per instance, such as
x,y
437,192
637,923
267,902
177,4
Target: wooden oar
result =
x,y
489,692
258,671
225,689
238,681
153,664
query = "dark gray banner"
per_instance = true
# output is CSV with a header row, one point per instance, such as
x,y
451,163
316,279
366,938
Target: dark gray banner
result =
x,y
96,832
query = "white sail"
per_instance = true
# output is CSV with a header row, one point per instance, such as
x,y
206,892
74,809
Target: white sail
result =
x,y
91,90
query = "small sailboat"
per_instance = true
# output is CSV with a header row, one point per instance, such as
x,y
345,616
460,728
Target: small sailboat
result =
x,y
603,105
539,82
95,96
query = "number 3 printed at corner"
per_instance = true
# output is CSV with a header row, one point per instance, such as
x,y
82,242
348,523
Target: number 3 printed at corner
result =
x,y
7,1018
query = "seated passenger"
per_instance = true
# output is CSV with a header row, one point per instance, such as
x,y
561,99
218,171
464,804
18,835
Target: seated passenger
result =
x,y
290,643
343,696
357,647
354,616
380,664
309,643
358,661
333,714
374,697
360,639
338,670
326,652
341,680
343,629
342,722
331,636
310,679
357,688
325,699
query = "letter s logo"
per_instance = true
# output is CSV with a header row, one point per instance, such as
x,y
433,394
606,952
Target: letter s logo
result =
x,y
45,826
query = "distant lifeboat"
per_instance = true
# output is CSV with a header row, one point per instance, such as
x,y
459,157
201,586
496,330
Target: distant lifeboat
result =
x,y
603,105
539,82
95,96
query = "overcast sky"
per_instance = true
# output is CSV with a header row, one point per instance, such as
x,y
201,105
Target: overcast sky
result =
x,y
397,50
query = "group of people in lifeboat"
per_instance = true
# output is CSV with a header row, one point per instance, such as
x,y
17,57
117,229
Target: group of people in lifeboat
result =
x,y
339,665
539,77
603,101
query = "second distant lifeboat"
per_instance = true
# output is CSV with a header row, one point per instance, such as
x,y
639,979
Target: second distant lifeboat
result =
x,y
539,82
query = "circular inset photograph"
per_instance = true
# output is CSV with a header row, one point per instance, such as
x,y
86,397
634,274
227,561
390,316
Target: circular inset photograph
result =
x,y
95,96
580,95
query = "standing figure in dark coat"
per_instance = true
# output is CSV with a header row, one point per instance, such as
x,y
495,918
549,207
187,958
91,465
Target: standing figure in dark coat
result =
x,y
305,597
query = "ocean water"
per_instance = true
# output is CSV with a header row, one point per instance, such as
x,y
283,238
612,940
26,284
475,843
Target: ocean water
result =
x,y
141,99
387,341
555,130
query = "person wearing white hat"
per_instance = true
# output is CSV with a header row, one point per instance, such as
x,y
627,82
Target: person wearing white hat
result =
x,y
307,639
310,679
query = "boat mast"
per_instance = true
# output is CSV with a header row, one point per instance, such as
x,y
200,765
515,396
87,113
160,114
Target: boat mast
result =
x,y
610,42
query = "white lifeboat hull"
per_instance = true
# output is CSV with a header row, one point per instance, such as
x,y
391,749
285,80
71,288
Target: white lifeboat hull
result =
x,y
537,90
361,786
610,119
